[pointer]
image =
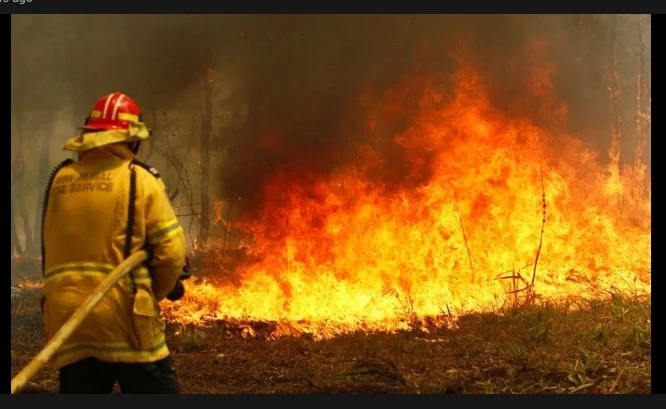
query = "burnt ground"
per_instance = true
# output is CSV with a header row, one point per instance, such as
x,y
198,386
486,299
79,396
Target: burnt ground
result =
x,y
597,347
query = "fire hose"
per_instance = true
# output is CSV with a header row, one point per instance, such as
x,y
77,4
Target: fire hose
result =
x,y
45,355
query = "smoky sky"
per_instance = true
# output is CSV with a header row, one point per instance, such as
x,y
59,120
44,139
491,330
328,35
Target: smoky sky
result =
x,y
297,73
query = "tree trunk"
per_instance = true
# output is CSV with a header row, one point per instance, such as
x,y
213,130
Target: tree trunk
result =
x,y
19,188
643,122
614,90
615,151
151,141
20,204
44,169
16,246
206,135
17,178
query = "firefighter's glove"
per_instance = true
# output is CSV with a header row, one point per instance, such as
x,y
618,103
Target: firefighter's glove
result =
x,y
177,293
179,290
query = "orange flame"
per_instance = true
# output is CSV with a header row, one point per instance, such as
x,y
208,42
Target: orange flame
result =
x,y
346,253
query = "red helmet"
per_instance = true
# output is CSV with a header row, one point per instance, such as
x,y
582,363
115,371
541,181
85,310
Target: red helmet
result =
x,y
113,111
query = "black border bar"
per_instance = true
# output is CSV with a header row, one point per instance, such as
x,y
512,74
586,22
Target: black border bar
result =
x,y
340,6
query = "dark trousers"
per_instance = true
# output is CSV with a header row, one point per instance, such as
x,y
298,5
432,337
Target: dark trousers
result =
x,y
91,375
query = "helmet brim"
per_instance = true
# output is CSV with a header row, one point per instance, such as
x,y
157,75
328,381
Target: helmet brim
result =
x,y
100,128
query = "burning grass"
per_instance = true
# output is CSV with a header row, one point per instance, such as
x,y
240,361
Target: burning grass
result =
x,y
598,346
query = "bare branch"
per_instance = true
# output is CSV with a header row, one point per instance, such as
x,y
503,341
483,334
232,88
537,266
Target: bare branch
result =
x,y
469,256
588,386
182,175
543,224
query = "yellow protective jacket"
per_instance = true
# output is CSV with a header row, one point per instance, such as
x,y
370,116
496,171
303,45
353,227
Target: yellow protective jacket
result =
x,y
85,224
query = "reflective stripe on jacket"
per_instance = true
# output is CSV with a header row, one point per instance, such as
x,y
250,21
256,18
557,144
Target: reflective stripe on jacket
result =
x,y
84,237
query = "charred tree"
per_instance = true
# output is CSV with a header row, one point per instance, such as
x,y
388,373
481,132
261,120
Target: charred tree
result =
x,y
18,198
613,78
15,243
206,136
150,143
44,167
18,188
643,119
16,246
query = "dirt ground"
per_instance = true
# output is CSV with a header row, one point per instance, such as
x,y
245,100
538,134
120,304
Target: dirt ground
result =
x,y
602,348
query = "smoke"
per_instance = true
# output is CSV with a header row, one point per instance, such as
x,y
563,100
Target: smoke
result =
x,y
300,75
303,74
74,59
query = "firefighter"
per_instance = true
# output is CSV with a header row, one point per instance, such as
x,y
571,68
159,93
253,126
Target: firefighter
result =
x,y
98,210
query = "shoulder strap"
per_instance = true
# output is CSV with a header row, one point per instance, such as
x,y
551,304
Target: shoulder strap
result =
x,y
147,167
157,175
129,231
45,204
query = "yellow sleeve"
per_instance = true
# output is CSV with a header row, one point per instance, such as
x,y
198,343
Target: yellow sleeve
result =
x,y
166,240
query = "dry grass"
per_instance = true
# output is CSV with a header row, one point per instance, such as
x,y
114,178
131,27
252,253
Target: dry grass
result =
x,y
583,347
